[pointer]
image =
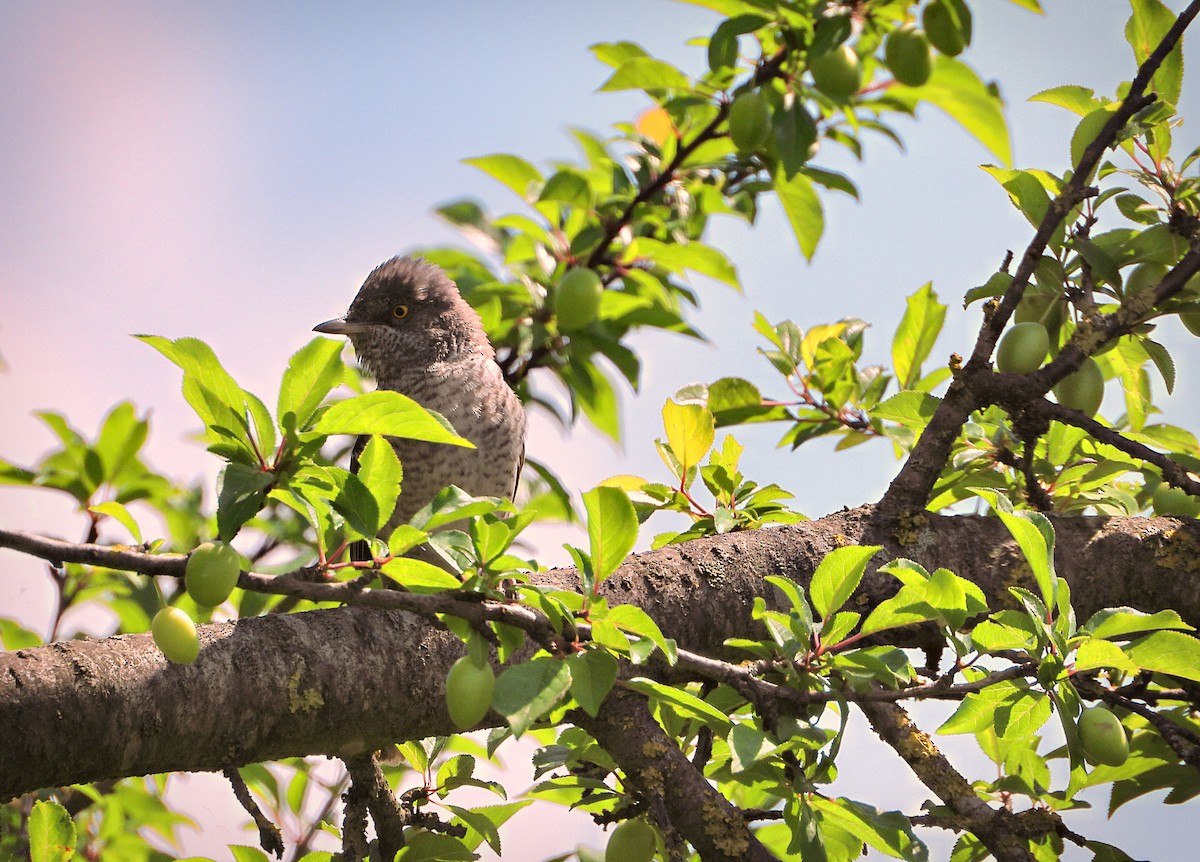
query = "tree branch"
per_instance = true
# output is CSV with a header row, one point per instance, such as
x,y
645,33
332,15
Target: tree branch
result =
x,y
654,767
350,680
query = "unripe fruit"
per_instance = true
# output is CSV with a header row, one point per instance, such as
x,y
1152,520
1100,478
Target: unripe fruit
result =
x,y
837,73
1143,276
1169,500
946,33
469,688
175,634
1023,348
1103,737
1083,390
909,56
749,122
631,841
212,573
577,298
1044,308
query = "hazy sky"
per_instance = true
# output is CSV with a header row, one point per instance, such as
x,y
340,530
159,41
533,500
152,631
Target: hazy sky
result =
x,y
232,172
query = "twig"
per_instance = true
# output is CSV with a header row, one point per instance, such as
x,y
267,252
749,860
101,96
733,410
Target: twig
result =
x,y
269,837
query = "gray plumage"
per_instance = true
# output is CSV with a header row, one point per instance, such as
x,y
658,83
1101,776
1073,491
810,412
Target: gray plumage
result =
x,y
416,334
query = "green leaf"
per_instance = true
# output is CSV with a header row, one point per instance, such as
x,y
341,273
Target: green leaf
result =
x,y
636,621
1147,26
1021,714
910,408
121,437
646,73
485,816
889,832
1080,100
1096,653
803,209
1172,653
977,710
312,372
837,576
612,528
747,746
214,394
593,673
418,576
685,703
51,832
513,171
677,257
527,691
916,334
119,513
1034,534
690,429
241,490
1116,622
957,90
245,853
380,472
389,413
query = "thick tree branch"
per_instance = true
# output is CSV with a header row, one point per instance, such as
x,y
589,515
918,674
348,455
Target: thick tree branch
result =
x,y
350,680
655,767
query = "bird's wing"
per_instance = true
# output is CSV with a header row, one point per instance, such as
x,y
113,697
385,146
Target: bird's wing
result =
x,y
517,476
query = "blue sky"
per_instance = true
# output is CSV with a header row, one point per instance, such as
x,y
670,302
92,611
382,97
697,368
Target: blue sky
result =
x,y
232,171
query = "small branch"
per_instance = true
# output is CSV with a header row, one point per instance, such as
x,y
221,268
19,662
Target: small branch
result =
x,y
998,829
368,781
1172,471
269,837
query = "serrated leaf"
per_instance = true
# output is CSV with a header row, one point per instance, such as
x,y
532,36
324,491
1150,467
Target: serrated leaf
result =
x,y
51,832
958,91
636,621
241,490
646,73
612,528
916,334
593,673
119,513
312,373
1147,26
1169,652
513,171
685,703
527,691
1116,622
677,257
380,472
803,209
838,576
690,429
419,576
391,414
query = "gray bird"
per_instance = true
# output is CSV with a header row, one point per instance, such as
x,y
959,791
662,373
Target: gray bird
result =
x,y
416,334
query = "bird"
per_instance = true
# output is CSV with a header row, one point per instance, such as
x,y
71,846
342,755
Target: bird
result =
x,y
413,331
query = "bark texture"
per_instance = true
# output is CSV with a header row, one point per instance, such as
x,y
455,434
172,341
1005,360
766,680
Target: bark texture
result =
x,y
348,680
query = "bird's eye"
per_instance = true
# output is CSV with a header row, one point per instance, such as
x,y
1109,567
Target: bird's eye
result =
x,y
400,312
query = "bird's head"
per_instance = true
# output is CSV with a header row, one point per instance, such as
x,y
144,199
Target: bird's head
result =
x,y
408,314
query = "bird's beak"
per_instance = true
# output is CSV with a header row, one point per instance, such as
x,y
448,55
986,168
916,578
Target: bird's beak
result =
x,y
341,326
